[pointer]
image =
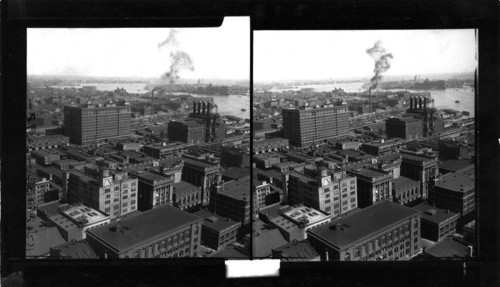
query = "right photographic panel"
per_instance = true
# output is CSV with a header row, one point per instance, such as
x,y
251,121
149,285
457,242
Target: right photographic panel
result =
x,y
364,145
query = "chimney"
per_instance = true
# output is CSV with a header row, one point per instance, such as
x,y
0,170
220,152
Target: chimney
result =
x,y
326,256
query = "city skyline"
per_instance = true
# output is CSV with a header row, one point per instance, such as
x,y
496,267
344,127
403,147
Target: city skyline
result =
x,y
216,53
319,55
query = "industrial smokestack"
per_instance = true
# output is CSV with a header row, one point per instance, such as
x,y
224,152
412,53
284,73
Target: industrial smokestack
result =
x,y
152,98
425,103
199,107
419,103
194,107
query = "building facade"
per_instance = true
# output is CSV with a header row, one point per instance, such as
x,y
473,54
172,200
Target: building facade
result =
x,y
407,128
331,191
87,124
113,193
307,126
154,190
420,168
373,186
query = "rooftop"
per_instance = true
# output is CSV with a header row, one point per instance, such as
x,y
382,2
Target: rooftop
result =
x,y
237,189
134,231
149,176
434,214
447,248
266,240
369,173
296,250
456,182
402,182
182,187
302,214
81,214
215,222
236,172
453,165
76,250
363,224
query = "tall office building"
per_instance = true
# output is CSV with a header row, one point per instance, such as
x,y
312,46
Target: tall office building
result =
x,y
306,126
90,124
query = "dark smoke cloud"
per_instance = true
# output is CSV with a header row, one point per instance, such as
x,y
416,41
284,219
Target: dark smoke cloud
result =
x,y
171,40
180,60
382,62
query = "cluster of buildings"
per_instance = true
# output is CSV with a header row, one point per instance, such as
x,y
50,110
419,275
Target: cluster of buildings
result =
x,y
406,193
101,190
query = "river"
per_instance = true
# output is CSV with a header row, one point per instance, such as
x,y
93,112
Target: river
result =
x,y
443,99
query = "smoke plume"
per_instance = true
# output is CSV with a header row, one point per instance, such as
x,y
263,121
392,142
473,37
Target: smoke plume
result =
x,y
171,40
179,60
382,62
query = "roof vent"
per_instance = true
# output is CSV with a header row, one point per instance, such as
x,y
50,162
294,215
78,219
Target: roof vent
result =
x,y
431,212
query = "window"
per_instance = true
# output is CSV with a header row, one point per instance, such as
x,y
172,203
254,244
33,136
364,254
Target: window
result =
x,y
107,202
132,201
116,200
327,201
133,195
124,204
353,199
328,209
107,210
116,207
124,210
125,197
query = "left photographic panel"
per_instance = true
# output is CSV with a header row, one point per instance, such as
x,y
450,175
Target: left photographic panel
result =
x,y
138,142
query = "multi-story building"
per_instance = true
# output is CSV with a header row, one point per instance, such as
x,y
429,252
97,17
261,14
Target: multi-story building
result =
x,y
154,189
385,231
235,156
306,126
93,124
113,193
203,174
405,190
47,141
455,192
408,128
373,186
380,148
421,168
331,191
164,232
186,195
163,150
217,232
436,224
232,199
294,221
190,132
40,190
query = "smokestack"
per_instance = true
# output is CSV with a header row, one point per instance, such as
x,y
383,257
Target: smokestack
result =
x,y
194,107
370,98
326,256
152,97
425,103
419,103
199,107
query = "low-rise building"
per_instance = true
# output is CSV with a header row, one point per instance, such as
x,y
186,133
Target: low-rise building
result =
x,y
296,251
186,195
405,190
217,232
455,192
436,223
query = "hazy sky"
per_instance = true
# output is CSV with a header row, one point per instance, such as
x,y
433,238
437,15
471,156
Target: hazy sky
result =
x,y
222,53
284,55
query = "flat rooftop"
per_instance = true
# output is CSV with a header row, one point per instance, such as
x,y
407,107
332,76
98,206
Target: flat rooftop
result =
x,y
236,172
447,248
370,173
456,182
434,214
216,222
147,175
237,190
77,250
300,213
134,231
81,214
363,224
402,182
456,165
297,250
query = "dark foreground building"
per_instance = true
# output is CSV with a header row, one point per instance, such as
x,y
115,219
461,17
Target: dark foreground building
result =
x,y
385,231
163,232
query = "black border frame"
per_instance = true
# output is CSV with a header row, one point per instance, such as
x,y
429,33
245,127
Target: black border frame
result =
x,y
268,15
